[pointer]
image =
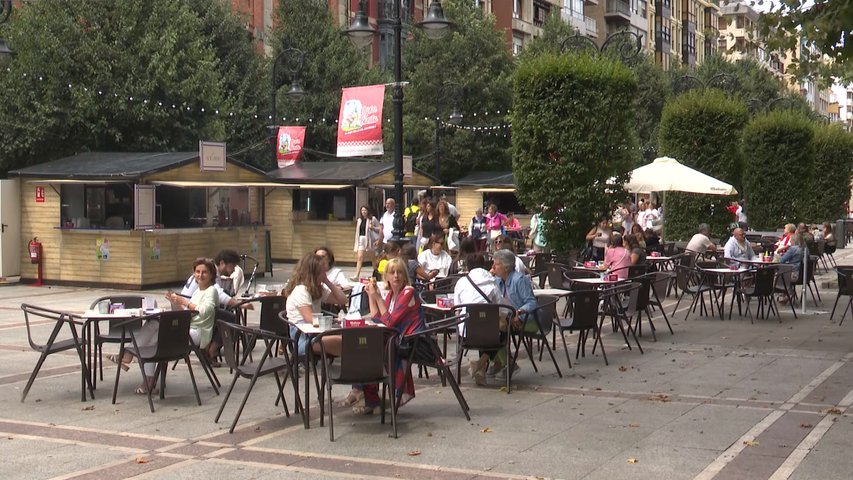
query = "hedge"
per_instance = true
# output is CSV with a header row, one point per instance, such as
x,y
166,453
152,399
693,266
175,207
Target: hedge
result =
x,y
829,186
779,155
702,129
573,140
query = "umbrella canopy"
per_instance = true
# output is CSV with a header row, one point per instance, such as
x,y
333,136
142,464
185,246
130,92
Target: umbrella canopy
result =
x,y
666,174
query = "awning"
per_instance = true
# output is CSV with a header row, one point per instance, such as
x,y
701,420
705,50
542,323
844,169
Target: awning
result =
x,y
495,190
198,183
319,186
82,181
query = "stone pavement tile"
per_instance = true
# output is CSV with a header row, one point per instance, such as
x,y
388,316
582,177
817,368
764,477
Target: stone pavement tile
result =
x,y
648,413
779,380
780,438
834,388
654,462
830,458
711,427
45,459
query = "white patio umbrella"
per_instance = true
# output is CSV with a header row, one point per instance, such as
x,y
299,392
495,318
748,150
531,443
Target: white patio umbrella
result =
x,y
666,174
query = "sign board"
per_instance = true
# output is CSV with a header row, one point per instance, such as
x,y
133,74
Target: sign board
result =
x,y
39,194
407,166
211,156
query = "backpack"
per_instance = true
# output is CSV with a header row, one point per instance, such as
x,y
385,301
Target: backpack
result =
x,y
411,220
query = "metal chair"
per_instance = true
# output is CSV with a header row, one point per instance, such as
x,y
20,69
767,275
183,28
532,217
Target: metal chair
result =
x,y
268,364
482,331
543,317
173,343
52,345
845,288
763,283
583,319
367,356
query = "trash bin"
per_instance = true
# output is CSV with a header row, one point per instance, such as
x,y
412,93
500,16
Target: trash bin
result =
x,y
840,233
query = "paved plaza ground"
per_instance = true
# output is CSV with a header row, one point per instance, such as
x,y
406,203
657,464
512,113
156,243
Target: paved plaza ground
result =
x,y
719,399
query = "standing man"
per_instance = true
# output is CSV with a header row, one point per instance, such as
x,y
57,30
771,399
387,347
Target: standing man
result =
x,y
410,216
387,221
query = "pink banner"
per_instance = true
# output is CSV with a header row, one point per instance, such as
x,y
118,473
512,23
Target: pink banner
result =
x,y
360,121
289,145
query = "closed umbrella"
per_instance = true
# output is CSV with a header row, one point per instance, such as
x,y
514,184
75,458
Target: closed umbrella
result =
x,y
666,174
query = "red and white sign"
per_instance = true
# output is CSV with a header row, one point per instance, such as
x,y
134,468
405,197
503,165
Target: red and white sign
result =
x,y
288,148
360,121
39,194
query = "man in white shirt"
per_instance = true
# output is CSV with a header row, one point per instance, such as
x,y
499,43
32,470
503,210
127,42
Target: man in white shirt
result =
x,y
387,221
738,247
700,242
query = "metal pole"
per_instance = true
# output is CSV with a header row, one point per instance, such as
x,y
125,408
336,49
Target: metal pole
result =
x,y
436,166
805,283
397,100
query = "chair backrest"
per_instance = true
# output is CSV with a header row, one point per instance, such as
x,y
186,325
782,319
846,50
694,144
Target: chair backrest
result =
x,y
638,298
173,335
229,334
635,271
584,309
685,277
687,258
55,315
482,328
660,284
129,301
845,280
765,282
556,273
539,264
364,352
546,312
707,264
270,308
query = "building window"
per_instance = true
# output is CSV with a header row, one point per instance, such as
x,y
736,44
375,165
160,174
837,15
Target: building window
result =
x,y
324,204
517,44
540,13
516,8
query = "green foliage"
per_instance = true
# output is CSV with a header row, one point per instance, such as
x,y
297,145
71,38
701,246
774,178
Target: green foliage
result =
x,y
652,93
331,63
554,31
475,58
572,132
824,25
702,129
778,152
120,59
829,186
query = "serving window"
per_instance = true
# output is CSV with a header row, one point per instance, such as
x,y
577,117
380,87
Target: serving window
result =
x,y
97,206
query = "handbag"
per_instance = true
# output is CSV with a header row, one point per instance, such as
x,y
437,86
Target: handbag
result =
x,y
416,350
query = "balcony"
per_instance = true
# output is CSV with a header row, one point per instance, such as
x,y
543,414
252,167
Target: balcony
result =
x,y
590,2
617,9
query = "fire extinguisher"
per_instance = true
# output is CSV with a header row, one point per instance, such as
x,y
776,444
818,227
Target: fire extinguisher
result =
x,y
35,250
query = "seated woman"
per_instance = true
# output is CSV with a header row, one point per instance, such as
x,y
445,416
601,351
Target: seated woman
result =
x,y
616,257
466,247
309,287
638,254
436,258
409,255
204,300
829,238
400,310
652,241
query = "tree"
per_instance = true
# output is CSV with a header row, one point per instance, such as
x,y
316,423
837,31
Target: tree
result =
x,y
829,186
573,140
702,129
475,57
331,63
778,152
818,32
125,76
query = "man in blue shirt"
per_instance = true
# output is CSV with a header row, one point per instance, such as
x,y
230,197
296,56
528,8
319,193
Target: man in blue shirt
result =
x,y
516,289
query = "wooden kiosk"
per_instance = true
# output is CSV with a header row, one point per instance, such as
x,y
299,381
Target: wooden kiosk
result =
x,y
322,202
138,220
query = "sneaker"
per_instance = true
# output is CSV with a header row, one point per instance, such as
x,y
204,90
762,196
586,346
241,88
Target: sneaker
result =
x,y
501,375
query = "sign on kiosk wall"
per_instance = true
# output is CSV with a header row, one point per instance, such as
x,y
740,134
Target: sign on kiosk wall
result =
x,y
39,194
360,121
289,145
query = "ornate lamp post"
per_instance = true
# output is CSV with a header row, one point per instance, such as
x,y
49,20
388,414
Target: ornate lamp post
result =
x,y
448,92
435,25
722,81
290,60
5,11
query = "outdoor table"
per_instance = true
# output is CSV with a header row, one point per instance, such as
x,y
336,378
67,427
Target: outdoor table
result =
x,y
724,273
754,263
665,263
598,282
557,292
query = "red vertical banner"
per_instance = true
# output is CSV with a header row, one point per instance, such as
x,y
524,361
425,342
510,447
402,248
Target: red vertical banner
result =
x,y
39,194
289,145
360,121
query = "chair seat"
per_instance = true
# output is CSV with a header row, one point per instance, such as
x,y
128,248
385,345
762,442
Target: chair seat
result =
x,y
59,346
271,364
565,323
334,372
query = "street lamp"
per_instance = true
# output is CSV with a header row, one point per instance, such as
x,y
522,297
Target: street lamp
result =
x,y
290,60
448,92
5,11
435,25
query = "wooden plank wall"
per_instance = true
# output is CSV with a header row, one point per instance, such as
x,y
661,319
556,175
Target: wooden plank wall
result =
x,y
192,173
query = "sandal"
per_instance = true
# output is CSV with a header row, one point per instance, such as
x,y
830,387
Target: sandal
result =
x,y
351,399
115,359
140,390
362,410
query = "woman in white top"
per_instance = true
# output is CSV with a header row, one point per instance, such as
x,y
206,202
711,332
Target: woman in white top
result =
x,y
335,274
309,287
436,256
366,237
